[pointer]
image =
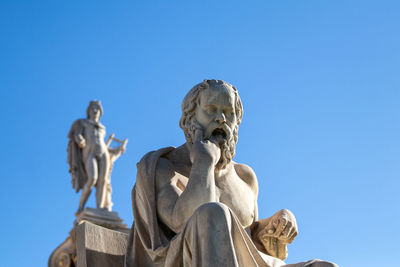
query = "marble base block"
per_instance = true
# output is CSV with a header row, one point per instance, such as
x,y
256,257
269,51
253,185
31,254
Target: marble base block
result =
x,y
98,238
97,246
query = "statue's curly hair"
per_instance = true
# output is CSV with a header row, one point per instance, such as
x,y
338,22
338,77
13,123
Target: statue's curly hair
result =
x,y
192,99
92,103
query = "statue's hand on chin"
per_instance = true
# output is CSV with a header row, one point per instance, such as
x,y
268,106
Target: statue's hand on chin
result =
x,y
205,151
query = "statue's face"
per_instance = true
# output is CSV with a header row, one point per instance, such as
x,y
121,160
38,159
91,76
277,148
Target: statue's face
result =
x,y
216,112
94,112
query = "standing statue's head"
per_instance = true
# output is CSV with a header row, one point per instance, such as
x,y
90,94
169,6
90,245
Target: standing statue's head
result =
x,y
216,108
94,110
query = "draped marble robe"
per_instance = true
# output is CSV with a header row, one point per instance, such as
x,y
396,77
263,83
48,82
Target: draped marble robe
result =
x,y
213,236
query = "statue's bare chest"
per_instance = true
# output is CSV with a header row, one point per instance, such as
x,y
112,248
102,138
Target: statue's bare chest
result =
x,y
232,191
91,131
237,195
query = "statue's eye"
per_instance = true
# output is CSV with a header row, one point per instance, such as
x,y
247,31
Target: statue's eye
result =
x,y
228,112
211,109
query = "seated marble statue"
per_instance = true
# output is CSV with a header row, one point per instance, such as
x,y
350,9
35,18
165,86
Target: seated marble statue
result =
x,y
194,206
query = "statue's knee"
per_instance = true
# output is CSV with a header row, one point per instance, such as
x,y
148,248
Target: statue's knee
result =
x,y
324,264
90,182
212,211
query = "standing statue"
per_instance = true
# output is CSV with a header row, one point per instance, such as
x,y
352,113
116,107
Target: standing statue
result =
x,y
194,206
90,158
90,162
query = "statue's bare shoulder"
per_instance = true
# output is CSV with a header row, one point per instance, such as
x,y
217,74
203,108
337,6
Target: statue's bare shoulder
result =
x,y
246,173
164,173
170,184
168,178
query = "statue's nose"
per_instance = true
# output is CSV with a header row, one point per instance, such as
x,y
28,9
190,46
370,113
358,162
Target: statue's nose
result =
x,y
220,118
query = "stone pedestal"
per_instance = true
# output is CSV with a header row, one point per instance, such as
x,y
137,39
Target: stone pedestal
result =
x,y
97,246
102,217
92,227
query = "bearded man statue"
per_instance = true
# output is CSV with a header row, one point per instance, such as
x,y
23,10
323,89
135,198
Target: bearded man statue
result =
x,y
194,206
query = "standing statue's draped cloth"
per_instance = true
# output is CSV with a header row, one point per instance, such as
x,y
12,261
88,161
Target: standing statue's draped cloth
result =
x,y
151,243
74,157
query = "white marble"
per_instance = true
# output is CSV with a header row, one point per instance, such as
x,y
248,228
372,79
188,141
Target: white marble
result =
x,y
194,206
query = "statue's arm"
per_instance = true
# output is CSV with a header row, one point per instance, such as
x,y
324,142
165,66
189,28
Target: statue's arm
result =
x,y
78,136
255,228
167,193
247,174
175,205
270,235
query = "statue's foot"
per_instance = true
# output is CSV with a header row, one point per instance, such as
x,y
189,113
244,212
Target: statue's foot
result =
x,y
78,211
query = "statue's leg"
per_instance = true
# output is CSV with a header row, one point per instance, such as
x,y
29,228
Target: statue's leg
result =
x,y
103,181
213,237
108,202
312,263
322,264
91,171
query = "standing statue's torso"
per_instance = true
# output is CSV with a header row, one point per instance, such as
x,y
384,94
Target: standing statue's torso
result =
x,y
94,134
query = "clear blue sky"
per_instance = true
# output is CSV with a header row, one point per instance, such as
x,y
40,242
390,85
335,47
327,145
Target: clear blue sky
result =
x,y
319,81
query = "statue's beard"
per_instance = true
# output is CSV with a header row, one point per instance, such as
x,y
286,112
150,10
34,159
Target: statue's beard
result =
x,y
221,134
227,154
224,136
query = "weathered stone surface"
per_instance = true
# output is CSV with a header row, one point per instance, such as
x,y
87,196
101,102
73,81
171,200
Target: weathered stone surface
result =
x,y
65,255
102,217
99,247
